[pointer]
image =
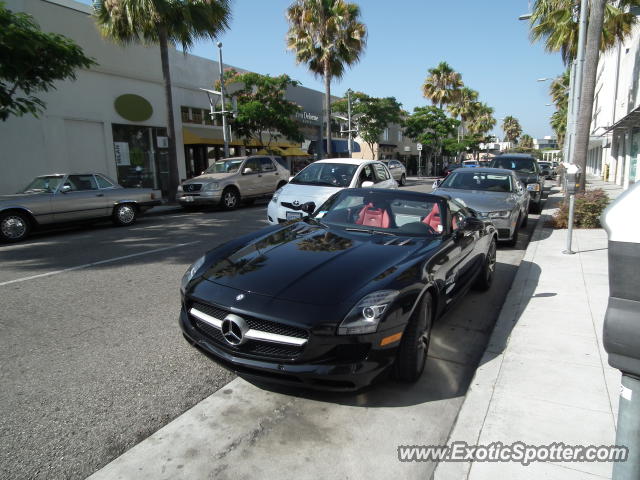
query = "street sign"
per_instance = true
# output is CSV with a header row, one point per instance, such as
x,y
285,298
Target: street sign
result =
x,y
419,146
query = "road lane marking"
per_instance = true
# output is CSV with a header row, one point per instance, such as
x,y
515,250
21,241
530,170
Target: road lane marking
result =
x,y
93,264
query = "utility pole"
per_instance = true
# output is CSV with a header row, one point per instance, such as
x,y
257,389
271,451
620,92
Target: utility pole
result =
x,y
349,123
223,112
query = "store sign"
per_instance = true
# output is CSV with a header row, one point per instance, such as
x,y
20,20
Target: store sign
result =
x,y
121,151
133,107
308,117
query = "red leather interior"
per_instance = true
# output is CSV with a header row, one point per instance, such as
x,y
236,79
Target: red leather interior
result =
x,y
433,219
373,217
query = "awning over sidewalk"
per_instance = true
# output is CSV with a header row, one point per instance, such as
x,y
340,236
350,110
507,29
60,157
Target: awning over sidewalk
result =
x,y
213,136
630,120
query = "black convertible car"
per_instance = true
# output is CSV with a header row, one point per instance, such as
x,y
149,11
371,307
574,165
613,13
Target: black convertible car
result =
x,y
334,300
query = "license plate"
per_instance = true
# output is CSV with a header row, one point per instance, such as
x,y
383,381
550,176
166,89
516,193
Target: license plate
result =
x,y
188,198
294,215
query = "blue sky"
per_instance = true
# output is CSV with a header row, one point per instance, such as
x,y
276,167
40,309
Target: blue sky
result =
x,y
483,40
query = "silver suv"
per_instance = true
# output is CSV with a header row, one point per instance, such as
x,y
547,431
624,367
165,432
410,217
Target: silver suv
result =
x,y
232,180
398,171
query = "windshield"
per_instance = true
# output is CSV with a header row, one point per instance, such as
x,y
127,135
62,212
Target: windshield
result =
x,y
527,165
489,182
225,166
386,212
326,174
43,184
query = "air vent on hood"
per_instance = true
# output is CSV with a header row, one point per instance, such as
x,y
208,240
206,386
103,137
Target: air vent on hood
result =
x,y
400,242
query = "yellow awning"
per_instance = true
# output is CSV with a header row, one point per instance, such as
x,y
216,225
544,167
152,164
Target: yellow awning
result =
x,y
271,151
201,136
295,152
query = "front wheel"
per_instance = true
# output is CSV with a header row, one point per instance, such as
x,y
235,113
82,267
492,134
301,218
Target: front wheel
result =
x,y
403,180
485,276
412,353
230,199
14,227
124,215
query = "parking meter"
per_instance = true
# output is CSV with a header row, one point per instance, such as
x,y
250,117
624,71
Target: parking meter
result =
x,y
621,336
572,177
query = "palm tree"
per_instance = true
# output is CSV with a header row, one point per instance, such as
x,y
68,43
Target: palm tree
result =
x,y
526,141
464,105
512,129
559,91
326,35
482,120
163,22
443,85
555,22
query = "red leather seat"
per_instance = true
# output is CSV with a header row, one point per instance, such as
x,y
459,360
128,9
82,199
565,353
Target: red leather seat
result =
x,y
433,219
373,217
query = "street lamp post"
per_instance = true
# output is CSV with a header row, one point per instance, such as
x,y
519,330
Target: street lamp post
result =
x,y
223,112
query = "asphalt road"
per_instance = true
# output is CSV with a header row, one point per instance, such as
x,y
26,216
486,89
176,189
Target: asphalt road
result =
x,y
92,360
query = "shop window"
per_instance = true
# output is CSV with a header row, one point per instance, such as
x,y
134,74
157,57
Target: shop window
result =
x,y
185,114
196,115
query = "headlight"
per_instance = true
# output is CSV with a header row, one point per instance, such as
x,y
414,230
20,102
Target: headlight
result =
x,y
365,316
190,273
533,187
180,188
497,214
211,186
274,199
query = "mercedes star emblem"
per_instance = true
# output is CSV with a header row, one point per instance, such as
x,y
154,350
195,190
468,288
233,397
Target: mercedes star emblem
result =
x,y
296,203
234,329
240,297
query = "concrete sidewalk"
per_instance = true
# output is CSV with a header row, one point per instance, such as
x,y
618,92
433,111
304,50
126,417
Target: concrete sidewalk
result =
x,y
544,377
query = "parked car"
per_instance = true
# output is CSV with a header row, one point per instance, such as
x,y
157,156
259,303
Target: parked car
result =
x,y
318,181
528,171
65,198
547,170
232,180
398,171
334,300
495,194
470,164
451,167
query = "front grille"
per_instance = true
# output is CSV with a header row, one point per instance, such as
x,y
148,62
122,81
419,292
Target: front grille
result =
x,y
192,187
290,205
251,347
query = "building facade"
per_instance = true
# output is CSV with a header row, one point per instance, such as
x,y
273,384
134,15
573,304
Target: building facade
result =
x,y
112,119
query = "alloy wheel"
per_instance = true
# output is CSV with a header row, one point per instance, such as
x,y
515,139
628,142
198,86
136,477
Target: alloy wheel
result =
x,y
126,214
13,227
230,199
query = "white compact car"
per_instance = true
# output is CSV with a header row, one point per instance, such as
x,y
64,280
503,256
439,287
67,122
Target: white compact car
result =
x,y
318,181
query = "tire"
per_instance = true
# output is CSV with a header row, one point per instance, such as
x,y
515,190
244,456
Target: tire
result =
x,y
230,198
14,227
125,214
514,238
485,277
403,180
412,353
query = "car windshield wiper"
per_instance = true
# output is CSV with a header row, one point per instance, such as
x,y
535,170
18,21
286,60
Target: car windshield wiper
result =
x,y
370,231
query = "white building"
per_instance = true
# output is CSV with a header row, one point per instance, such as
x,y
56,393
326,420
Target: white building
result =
x,y
112,119
615,127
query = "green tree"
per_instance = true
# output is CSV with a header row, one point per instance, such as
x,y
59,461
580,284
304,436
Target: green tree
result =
x,y
481,121
556,23
526,141
430,126
263,110
372,115
163,23
464,105
443,85
559,91
327,35
27,68
511,128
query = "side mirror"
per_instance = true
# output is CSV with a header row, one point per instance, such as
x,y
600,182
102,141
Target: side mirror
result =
x,y
308,207
247,171
472,224
367,184
65,188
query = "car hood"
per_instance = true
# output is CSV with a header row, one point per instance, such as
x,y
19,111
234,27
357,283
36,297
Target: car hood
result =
x,y
480,200
210,177
526,177
306,193
310,264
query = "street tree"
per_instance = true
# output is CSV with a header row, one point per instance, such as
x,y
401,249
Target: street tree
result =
x,y
482,120
442,85
430,126
511,128
328,36
163,23
526,141
263,112
372,115
27,69
559,91
464,104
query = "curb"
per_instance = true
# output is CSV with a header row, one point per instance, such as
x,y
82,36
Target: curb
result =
x,y
470,419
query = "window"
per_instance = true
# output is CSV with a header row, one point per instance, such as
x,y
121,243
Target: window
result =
x,y
196,115
381,172
82,182
366,175
267,165
385,135
458,213
103,182
184,111
399,135
253,164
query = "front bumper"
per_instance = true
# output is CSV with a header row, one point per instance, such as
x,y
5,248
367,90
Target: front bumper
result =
x,y
504,226
200,198
276,213
338,363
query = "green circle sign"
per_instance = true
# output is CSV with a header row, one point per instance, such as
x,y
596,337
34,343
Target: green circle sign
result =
x,y
133,107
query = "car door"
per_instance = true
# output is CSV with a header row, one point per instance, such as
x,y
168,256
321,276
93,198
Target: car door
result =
x,y
250,182
383,176
79,198
269,175
465,247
